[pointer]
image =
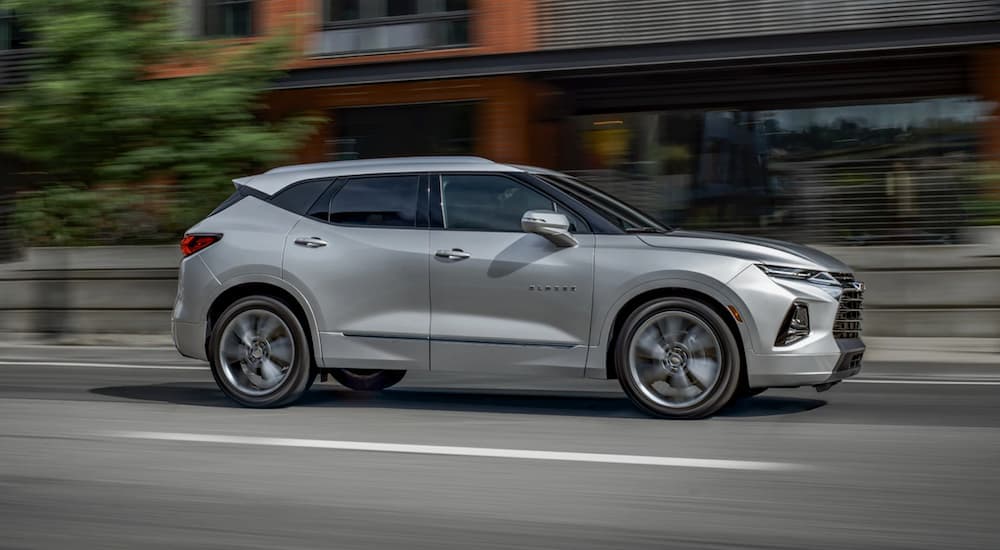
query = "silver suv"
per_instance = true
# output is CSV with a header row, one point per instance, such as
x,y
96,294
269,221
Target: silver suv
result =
x,y
367,269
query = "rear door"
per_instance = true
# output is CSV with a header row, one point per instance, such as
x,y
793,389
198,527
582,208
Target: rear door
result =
x,y
503,300
360,258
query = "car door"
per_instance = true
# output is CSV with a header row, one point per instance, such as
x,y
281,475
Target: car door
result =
x,y
360,258
502,299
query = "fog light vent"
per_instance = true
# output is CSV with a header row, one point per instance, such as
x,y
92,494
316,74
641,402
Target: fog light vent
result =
x,y
795,327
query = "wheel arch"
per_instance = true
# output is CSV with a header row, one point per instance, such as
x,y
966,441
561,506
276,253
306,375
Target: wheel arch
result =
x,y
272,289
634,302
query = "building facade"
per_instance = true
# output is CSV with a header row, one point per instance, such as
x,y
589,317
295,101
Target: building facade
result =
x,y
848,122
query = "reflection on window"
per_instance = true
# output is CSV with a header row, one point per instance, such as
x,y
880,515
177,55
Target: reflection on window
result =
x,y
487,203
428,129
385,201
228,18
354,26
858,174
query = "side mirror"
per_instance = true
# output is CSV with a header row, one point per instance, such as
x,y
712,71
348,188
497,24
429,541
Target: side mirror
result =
x,y
551,225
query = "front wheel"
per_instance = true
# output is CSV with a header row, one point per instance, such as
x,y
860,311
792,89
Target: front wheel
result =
x,y
677,358
367,380
260,354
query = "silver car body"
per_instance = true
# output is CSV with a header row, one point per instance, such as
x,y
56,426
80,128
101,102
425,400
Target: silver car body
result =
x,y
382,298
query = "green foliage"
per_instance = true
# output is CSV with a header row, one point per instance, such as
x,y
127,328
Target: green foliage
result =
x,y
97,114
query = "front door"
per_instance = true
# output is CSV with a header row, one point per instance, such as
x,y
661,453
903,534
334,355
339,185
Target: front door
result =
x,y
362,266
502,299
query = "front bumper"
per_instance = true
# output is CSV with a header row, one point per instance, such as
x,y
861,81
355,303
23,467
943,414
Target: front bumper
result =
x,y
820,358
796,369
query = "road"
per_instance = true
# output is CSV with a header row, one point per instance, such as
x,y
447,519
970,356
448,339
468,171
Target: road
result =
x,y
143,452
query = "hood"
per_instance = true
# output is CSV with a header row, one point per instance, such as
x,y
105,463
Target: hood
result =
x,y
756,249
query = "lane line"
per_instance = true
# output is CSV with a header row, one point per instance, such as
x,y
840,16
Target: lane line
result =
x,y
927,382
645,460
96,365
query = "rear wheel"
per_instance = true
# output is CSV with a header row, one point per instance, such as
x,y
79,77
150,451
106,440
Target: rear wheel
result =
x,y
677,358
260,353
367,380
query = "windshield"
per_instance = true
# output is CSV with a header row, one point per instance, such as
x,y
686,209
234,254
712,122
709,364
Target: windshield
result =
x,y
628,218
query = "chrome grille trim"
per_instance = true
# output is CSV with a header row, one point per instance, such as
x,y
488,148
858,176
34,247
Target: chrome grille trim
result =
x,y
847,324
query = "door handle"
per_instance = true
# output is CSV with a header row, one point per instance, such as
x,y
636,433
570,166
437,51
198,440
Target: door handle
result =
x,y
453,254
310,242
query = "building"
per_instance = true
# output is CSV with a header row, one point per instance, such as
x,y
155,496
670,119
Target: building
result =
x,y
746,116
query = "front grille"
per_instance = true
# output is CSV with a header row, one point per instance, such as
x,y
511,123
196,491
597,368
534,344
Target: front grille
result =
x,y
848,321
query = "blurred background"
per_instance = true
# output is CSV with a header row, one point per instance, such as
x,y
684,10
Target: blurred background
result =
x,y
868,128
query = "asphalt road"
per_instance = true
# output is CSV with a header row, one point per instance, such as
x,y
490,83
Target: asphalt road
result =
x,y
131,455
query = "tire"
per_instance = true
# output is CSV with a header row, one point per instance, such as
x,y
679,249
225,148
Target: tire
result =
x,y
367,380
277,340
677,358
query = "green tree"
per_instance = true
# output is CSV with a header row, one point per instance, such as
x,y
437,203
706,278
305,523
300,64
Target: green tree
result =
x,y
99,113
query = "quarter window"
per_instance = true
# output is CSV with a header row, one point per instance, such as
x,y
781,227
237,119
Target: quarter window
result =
x,y
381,201
483,202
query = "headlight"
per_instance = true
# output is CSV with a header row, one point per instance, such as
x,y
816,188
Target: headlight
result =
x,y
799,274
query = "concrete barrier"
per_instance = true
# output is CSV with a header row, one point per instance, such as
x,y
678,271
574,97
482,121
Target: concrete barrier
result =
x,y
919,291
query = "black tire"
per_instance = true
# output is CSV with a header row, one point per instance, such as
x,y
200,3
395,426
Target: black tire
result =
x,y
367,380
713,398
301,371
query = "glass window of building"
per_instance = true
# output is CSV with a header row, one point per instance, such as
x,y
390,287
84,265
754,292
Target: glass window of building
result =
x,y
896,172
402,130
353,26
228,18
12,36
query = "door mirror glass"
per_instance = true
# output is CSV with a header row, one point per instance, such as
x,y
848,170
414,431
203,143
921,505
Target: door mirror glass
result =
x,y
551,225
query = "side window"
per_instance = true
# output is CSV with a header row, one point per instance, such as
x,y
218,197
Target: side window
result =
x,y
300,196
380,201
487,203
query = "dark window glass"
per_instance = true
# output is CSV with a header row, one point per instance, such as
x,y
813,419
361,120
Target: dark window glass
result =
x,y
401,7
12,35
456,5
386,201
299,197
343,10
487,202
373,132
231,18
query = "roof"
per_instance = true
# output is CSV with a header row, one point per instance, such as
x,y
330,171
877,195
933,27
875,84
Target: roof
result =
x,y
276,179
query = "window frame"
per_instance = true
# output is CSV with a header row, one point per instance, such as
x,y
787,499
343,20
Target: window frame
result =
x,y
436,214
338,185
319,196
328,24
205,5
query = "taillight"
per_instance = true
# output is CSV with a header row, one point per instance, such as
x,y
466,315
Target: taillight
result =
x,y
194,242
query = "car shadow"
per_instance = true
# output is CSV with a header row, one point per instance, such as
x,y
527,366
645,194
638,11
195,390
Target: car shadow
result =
x,y
546,402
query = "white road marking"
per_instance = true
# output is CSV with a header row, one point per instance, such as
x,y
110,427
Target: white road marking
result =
x,y
926,382
96,365
644,460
